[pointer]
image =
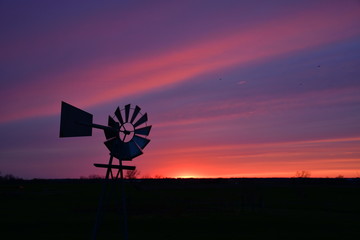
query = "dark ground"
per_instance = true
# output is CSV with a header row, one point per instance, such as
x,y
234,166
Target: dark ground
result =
x,y
183,209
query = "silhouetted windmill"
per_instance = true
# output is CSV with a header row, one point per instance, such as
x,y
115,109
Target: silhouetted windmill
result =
x,y
125,134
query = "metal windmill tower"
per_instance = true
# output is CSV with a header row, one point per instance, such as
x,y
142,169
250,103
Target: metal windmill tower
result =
x,y
126,137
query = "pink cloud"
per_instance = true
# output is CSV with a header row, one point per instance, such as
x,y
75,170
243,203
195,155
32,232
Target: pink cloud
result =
x,y
99,83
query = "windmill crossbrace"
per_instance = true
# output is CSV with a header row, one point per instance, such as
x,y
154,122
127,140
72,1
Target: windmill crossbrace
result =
x,y
114,166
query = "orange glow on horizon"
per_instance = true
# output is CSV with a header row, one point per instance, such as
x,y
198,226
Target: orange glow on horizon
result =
x,y
277,174
322,158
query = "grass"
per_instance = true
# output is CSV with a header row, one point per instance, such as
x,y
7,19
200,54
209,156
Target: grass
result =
x,y
183,209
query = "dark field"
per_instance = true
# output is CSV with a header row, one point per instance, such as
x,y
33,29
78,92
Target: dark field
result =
x,y
183,209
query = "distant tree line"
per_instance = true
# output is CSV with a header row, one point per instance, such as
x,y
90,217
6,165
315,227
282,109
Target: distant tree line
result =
x,y
307,174
302,174
128,174
8,177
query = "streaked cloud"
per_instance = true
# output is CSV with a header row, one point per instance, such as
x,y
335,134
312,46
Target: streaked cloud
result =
x,y
101,83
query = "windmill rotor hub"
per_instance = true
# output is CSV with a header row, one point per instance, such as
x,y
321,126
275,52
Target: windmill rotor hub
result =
x,y
126,132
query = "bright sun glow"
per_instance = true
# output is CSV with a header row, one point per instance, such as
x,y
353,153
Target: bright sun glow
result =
x,y
186,176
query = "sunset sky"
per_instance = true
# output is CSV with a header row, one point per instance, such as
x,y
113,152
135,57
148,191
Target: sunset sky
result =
x,y
232,88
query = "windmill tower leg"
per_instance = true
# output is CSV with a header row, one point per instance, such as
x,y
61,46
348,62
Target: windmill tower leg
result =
x,y
123,201
101,202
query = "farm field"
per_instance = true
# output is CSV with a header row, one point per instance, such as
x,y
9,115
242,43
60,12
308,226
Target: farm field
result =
x,y
182,209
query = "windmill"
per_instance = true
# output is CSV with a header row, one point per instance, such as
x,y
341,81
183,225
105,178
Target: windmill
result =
x,y
126,137
125,133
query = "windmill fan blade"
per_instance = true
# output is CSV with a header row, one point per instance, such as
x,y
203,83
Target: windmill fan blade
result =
x,y
121,150
136,112
108,133
118,115
127,112
126,151
141,120
112,122
133,149
140,141
117,149
143,131
111,144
